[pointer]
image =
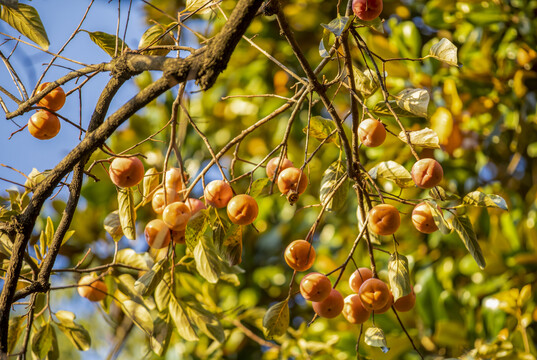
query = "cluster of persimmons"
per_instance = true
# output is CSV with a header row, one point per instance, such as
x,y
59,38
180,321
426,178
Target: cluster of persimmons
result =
x,y
44,125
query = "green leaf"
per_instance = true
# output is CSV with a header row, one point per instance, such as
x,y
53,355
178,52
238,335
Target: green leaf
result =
x,y
426,138
331,177
26,20
228,241
463,227
321,128
445,51
139,315
377,24
326,43
399,275
367,82
206,322
16,326
107,42
381,109
374,336
150,36
6,245
184,325
67,236
76,333
35,177
49,231
478,198
151,181
415,101
338,25
525,296
258,186
162,334
11,3
112,225
127,212
195,229
162,293
390,170
42,341
193,5
438,217
130,257
439,193
276,319
207,262
146,284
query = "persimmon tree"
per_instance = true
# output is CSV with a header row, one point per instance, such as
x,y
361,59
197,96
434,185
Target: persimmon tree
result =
x,y
219,178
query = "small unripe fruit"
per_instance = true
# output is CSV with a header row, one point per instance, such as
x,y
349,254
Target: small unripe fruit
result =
x,y
126,172
176,216
292,179
384,219
427,173
367,10
91,289
44,125
406,303
315,287
54,100
195,205
358,277
157,234
374,294
218,193
354,311
331,306
299,255
273,164
371,133
242,209
422,218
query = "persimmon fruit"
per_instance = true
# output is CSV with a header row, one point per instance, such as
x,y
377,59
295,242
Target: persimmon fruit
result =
x,y
242,209
354,311
292,179
126,171
406,303
374,294
54,100
157,234
44,125
273,164
218,193
330,307
427,173
358,277
367,10
371,133
300,255
176,215
92,289
384,219
315,287
422,218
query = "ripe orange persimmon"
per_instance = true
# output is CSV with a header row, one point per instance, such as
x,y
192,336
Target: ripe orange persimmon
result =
x,y
174,181
406,303
159,203
374,294
176,215
386,307
358,277
157,234
242,209
300,255
384,219
422,218
367,9
371,133
44,125
354,311
54,100
331,306
126,171
218,193
427,173
91,288
273,164
292,179
315,287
